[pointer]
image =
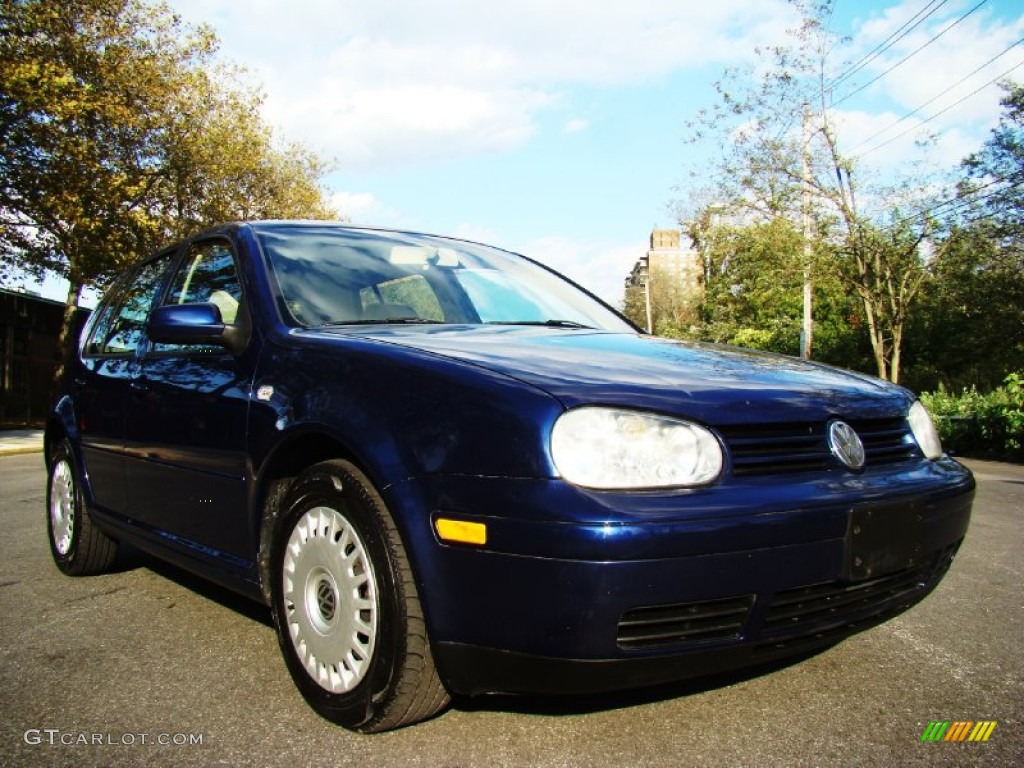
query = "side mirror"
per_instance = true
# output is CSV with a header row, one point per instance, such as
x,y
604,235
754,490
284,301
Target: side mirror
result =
x,y
194,324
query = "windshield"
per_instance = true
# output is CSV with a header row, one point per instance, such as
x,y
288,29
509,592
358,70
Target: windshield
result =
x,y
335,276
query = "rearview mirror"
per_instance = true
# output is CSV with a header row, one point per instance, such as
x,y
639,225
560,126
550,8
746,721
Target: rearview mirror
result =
x,y
194,324
423,256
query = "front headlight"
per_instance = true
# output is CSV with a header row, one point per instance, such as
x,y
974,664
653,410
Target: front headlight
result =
x,y
611,448
923,427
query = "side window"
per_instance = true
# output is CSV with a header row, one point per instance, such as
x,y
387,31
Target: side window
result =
x,y
122,324
207,275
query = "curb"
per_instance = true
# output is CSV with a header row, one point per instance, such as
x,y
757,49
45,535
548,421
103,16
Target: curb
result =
x,y
19,451
20,441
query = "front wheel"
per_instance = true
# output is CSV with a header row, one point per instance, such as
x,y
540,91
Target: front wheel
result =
x,y
348,617
78,547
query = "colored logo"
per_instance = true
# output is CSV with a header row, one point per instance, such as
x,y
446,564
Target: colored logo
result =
x,y
845,445
958,730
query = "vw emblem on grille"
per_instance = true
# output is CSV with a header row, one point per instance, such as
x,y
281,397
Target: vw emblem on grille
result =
x,y
845,445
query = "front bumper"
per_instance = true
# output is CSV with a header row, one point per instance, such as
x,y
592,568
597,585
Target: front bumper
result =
x,y
575,607
772,626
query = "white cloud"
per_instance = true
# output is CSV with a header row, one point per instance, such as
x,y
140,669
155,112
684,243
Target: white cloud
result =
x,y
380,127
928,79
886,140
391,83
576,125
362,208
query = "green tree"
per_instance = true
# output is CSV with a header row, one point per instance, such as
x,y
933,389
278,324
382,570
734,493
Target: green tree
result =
x,y
994,185
117,134
969,329
674,299
84,91
753,291
883,267
780,157
753,277
970,326
221,163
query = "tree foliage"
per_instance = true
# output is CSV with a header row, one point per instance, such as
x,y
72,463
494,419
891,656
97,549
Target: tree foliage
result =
x,y
994,183
752,283
753,277
969,329
222,165
118,132
85,88
674,303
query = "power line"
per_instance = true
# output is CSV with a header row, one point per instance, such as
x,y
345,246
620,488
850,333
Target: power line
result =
x,y
937,96
942,111
879,49
957,204
886,44
909,55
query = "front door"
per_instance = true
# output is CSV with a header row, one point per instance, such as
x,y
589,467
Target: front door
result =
x,y
185,441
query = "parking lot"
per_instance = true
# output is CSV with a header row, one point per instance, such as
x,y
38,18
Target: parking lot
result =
x,y
147,666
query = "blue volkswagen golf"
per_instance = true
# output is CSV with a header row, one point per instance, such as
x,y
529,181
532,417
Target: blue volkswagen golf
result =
x,y
447,469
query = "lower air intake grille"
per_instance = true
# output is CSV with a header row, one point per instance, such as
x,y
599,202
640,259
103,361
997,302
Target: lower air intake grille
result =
x,y
837,609
660,625
809,616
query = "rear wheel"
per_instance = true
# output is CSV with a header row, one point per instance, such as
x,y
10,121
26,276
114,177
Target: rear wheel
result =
x,y
348,617
78,547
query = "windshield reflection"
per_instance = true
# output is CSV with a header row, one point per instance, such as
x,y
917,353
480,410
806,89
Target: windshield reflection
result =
x,y
337,276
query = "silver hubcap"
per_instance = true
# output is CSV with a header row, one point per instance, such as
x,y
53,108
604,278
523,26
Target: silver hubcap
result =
x,y
330,599
62,507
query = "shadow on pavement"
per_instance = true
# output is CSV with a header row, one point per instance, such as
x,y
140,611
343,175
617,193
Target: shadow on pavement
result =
x,y
588,704
130,558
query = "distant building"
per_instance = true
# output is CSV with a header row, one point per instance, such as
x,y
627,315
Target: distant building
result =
x,y
663,284
667,256
29,336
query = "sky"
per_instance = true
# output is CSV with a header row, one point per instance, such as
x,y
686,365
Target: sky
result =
x,y
557,128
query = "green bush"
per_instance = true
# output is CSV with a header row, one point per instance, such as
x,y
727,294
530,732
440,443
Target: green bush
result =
x,y
987,425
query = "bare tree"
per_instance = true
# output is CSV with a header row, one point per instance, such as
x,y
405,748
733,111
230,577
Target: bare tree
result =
x,y
781,157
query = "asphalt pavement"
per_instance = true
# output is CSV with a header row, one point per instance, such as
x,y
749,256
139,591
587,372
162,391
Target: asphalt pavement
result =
x,y
147,666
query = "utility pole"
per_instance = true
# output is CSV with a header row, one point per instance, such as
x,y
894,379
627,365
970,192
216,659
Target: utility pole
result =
x,y
647,291
807,330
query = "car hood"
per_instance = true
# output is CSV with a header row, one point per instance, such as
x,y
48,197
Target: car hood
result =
x,y
715,384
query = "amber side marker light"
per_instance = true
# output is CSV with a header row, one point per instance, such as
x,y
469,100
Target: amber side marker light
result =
x,y
461,531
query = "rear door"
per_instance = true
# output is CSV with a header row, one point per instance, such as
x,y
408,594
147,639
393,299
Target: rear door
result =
x,y
104,384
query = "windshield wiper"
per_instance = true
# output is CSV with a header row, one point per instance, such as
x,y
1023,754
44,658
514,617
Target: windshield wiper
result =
x,y
384,321
545,323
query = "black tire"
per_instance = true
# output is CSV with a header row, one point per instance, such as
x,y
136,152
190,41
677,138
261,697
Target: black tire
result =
x,y
78,546
348,617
